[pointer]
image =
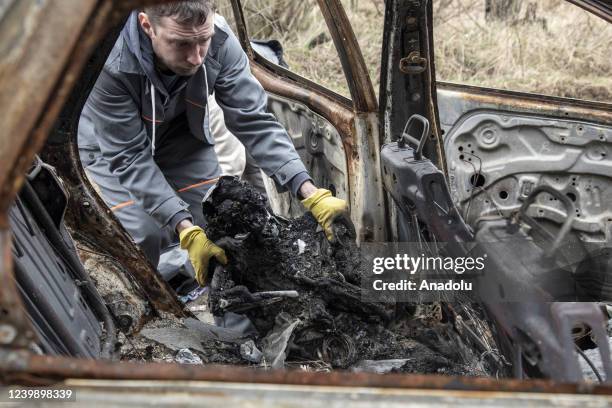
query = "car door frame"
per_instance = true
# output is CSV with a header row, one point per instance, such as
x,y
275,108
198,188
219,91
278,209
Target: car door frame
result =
x,y
355,119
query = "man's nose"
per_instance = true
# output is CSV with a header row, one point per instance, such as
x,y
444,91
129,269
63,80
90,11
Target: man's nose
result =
x,y
195,56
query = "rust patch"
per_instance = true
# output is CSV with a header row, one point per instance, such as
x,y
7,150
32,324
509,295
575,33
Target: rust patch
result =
x,y
538,104
61,368
39,64
339,116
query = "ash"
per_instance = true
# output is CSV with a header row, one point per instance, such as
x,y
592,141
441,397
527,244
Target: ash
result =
x,y
302,295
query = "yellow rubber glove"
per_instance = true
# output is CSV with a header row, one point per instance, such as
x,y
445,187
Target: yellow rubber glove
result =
x,y
200,250
327,209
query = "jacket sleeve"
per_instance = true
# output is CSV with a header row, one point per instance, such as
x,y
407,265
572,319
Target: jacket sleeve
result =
x,y
124,144
244,104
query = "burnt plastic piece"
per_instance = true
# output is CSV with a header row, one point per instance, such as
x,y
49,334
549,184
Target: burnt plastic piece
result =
x,y
49,190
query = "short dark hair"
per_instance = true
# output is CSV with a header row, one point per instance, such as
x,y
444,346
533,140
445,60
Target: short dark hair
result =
x,y
193,12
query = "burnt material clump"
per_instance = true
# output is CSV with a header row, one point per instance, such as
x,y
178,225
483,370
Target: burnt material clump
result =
x,y
302,293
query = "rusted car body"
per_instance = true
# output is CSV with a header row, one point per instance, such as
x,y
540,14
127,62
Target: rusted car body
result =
x,y
52,53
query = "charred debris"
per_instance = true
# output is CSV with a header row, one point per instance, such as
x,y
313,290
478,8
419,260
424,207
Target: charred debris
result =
x,y
289,298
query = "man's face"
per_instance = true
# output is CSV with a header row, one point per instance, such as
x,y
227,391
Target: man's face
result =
x,y
177,47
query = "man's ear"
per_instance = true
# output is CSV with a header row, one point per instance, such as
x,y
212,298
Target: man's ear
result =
x,y
145,23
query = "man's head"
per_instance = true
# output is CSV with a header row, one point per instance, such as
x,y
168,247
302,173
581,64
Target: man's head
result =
x,y
180,32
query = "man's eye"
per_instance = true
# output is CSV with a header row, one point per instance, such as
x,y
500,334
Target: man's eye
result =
x,y
180,44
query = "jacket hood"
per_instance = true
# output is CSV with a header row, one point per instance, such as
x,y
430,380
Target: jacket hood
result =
x,y
139,43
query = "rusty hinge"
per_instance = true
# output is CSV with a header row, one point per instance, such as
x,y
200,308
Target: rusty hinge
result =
x,y
413,64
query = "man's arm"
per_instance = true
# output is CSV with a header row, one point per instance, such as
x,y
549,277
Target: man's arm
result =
x,y
124,143
244,104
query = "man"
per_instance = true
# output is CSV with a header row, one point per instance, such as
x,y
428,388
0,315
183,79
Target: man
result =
x,y
144,134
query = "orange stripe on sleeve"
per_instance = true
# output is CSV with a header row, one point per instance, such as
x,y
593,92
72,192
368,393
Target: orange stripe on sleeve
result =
x,y
203,183
123,205
151,120
195,103
132,202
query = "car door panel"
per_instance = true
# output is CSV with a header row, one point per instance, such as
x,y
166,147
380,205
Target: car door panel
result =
x,y
320,147
500,146
486,124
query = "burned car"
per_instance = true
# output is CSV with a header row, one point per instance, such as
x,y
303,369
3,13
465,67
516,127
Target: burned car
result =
x,y
429,163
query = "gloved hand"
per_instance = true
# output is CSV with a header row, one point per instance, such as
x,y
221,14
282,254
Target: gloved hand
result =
x,y
328,209
200,250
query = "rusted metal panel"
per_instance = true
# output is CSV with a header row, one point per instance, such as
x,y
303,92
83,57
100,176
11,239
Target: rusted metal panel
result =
x,y
355,70
358,126
430,89
206,393
511,101
408,83
37,39
242,33
368,204
16,364
339,116
360,141
368,209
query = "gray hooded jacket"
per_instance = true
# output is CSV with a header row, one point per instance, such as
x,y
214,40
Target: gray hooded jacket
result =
x,y
120,123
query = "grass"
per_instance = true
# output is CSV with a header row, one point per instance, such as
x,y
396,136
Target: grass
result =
x,y
550,47
562,51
